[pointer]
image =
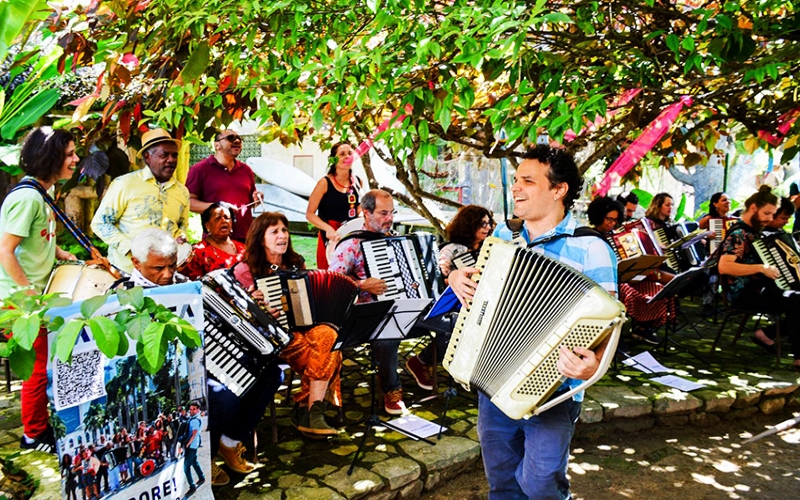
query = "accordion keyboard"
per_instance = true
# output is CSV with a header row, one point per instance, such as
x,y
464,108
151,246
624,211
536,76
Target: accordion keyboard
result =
x,y
227,358
395,261
506,342
664,241
270,286
775,252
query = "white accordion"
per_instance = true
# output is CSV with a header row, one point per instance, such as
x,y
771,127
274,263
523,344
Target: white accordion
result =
x,y
527,305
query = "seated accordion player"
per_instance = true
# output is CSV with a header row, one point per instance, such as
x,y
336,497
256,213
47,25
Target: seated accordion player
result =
x,y
778,250
305,298
240,337
506,341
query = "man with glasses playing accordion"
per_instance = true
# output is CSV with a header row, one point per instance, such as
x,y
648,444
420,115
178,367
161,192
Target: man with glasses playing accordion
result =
x,y
528,458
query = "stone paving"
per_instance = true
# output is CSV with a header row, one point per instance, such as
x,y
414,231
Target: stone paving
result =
x,y
740,382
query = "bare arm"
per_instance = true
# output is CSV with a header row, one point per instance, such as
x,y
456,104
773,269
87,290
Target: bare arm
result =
x,y
9,243
311,211
196,205
729,266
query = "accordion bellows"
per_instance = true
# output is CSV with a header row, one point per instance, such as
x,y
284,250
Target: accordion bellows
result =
x,y
505,343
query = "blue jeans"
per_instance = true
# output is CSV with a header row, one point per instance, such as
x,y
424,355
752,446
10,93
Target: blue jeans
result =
x,y
526,459
238,417
386,357
189,461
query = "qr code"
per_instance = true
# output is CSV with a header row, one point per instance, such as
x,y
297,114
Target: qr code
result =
x,y
80,381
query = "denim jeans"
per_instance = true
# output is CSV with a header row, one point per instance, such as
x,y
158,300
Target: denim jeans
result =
x,y
189,462
386,357
526,459
238,417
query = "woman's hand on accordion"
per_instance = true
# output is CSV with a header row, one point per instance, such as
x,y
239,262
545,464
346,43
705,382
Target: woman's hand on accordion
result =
x,y
579,363
258,296
461,283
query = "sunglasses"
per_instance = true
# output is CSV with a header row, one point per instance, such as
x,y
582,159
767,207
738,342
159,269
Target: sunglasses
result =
x,y
229,138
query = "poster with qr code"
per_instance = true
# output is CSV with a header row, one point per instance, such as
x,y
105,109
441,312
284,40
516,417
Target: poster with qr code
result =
x,y
122,429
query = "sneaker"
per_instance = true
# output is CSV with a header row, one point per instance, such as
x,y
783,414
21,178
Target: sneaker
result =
x,y
421,372
218,476
191,491
45,442
314,425
234,460
393,402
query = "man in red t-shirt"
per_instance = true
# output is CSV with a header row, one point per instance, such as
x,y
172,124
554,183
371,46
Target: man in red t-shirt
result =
x,y
221,178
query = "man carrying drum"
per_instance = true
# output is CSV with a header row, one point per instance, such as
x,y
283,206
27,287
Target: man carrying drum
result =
x,y
28,252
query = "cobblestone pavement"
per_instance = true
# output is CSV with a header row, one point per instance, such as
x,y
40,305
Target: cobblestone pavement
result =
x,y
742,384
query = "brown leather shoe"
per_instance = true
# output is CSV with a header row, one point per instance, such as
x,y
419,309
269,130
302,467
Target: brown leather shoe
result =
x,y
234,459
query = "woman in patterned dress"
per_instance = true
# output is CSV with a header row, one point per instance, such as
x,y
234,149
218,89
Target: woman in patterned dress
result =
x,y
217,250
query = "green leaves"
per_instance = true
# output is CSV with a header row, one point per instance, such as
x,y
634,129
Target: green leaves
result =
x,y
14,16
26,329
90,306
197,63
30,112
106,334
66,338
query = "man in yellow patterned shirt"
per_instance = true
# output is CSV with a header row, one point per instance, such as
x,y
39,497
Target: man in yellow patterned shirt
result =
x,y
146,198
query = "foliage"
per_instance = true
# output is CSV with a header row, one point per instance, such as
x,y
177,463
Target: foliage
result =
x,y
488,74
151,325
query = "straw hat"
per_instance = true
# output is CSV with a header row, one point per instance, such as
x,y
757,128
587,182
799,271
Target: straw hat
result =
x,y
153,137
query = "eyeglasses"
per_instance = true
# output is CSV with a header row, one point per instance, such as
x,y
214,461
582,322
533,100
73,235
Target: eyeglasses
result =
x,y
612,219
485,224
229,138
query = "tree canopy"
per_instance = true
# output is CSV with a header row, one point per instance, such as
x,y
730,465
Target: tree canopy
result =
x,y
487,74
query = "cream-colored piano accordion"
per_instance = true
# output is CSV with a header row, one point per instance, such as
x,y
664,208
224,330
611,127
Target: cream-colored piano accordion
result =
x,y
506,342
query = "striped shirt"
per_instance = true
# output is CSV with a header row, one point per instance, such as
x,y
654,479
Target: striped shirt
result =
x,y
589,255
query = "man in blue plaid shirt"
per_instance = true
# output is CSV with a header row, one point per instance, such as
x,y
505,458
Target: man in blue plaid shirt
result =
x,y
528,458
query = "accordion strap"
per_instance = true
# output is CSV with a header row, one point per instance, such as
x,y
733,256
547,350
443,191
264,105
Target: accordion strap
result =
x,y
579,233
361,234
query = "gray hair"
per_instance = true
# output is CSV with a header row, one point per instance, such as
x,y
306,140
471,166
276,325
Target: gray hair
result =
x,y
369,199
153,240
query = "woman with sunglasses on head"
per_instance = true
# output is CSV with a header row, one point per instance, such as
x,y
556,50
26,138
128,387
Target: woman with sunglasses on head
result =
x,y
334,199
223,179
28,253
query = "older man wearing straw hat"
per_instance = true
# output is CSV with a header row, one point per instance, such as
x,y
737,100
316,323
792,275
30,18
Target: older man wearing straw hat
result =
x,y
148,197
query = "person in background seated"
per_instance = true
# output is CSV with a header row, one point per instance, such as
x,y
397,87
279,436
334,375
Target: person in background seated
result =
x,y
750,282
154,255
28,253
605,214
660,210
465,233
217,250
348,259
719,206
630,202
781,219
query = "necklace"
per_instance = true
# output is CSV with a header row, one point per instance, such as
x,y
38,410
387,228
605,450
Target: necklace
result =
x,y
350,191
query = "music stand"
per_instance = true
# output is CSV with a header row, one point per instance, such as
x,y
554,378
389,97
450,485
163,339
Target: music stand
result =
x,y
399,318
670,291
630,268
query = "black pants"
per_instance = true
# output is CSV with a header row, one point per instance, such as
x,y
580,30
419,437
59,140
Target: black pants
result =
x,y
771,299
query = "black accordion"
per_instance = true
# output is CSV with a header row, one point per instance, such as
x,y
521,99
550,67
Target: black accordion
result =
x,y
506,341
672,238
308,298
406,263
466,259
779,250
240,337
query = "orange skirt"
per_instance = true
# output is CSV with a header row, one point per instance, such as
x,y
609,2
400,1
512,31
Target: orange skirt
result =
x,y
310,355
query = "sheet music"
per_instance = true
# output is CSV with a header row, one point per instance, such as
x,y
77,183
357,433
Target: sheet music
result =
x,y
416,427
677,382
645,362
